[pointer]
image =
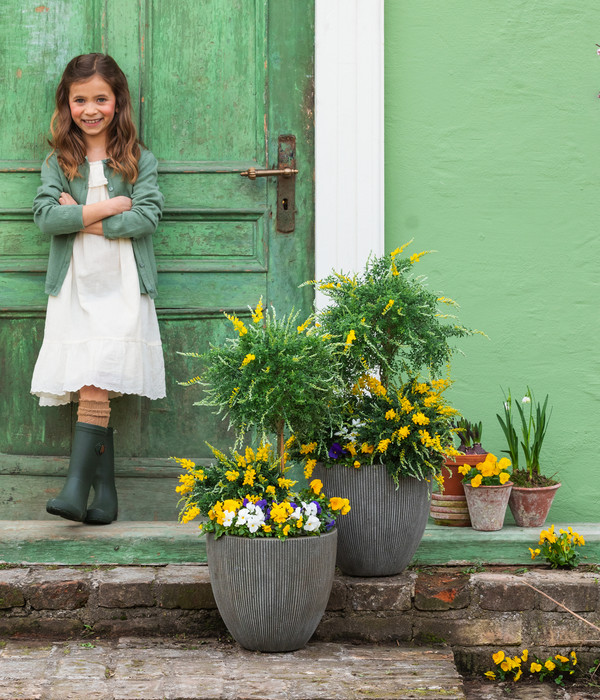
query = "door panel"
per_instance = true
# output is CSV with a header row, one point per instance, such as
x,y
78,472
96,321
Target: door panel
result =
x,y
214,84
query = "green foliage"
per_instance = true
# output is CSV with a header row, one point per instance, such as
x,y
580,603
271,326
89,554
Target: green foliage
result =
x,y
273,374
387,319
468,433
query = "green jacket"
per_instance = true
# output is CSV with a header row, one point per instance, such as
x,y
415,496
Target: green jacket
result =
x,y
62,223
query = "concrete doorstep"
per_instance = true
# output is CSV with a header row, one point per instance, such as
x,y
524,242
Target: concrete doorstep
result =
x,y
131,668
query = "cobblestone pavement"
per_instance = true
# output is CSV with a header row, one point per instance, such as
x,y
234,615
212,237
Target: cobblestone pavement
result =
x,y
132,668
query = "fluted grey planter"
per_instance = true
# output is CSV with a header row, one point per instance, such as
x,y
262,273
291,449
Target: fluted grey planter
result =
x,y
384,527
272,593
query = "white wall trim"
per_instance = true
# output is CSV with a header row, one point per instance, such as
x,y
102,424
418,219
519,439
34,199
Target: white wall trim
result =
x,y
349,143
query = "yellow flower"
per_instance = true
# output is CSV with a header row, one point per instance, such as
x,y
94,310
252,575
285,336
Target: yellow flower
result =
x,y
498,657
307,449
266,528
406,405
299,523
290,441
234,393
487,469
263,453
351,449
420,418
518,674
240,461
562,659
257,314
400,249
281,511
391,414
337,503
249,475
402,432
249,357
349,340
504,477
367,449
550,665
356,464
190,514
506,665
417,256
270,490
285,483
573,656
548,535
388,307
490,674
476,481
316,485
504,463
525,654
535,667
186,483
308,468
231,475
305,325
421,387
383,445
464,469
286,530
237,324
249,455
534,553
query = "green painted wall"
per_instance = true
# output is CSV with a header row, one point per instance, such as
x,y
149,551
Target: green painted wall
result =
x,y
493,160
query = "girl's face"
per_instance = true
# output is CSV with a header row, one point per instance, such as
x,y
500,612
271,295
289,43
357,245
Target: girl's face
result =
x,y
92,104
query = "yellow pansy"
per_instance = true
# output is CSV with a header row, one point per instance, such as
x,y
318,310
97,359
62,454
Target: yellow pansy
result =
x,y
476,481
316,485
535,667
504,477
498,657
550,665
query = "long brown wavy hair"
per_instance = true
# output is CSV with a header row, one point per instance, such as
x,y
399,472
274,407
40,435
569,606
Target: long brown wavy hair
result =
x,y
122,146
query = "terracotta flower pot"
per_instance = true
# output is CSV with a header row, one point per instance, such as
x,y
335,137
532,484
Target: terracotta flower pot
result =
x,y
453,485
487,505
530,505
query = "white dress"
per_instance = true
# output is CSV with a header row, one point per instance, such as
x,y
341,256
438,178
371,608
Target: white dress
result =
x,y
100,330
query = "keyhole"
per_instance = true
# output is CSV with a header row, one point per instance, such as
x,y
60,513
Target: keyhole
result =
x,y
284,204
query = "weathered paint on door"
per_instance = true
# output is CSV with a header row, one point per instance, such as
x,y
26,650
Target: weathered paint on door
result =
x,y
214,83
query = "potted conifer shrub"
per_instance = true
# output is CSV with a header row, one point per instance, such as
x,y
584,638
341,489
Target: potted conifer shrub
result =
x,y
395,427
271,550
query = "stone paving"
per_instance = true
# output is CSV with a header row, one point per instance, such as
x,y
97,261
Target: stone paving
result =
x,y
131,668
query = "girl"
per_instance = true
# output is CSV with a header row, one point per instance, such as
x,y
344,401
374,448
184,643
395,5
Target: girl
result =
x,y
99,203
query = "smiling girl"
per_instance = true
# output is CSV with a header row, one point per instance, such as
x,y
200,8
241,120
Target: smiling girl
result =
x,y
99,203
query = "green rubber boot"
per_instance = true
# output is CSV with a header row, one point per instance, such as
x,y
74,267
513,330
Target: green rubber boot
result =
x,y
105,506
89,443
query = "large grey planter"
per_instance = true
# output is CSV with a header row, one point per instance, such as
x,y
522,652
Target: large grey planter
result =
x,y
384,527
272,593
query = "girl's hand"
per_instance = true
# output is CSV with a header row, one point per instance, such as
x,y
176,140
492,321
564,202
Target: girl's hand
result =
x,y
65,198
120,204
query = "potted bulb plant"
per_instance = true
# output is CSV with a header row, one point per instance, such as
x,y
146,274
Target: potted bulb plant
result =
x,y
533,492
394,426
271,551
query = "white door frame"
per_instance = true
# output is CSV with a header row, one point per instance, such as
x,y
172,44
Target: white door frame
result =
x,y
349,131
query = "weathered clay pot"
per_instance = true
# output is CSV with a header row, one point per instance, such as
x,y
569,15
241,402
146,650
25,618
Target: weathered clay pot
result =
x,y
453,485
530,505
384,527
487,505
271,593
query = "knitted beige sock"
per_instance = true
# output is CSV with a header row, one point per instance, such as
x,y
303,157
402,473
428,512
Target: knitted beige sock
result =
x,y
94,412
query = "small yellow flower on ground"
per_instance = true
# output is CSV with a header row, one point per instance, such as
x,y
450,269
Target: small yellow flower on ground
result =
x,y
535,667
518,674
573,656
498,657
490,674
525,654
561,658
550,665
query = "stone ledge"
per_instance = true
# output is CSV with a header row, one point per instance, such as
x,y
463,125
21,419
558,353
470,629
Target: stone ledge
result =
x,y
134,542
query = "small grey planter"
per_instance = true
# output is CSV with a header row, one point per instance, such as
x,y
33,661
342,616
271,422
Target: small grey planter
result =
x,y
384,527
272,593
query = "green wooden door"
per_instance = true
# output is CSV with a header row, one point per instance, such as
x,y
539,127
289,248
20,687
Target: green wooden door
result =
x,y
215,83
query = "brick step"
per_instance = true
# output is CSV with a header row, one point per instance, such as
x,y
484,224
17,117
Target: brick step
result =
x,y
137,542
473,612
160,668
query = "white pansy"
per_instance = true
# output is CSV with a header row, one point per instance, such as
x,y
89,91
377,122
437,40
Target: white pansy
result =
x,y
312,523
253,526
310,508
296,514
228,516
242,516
